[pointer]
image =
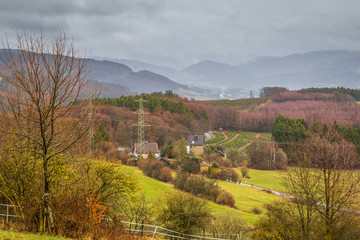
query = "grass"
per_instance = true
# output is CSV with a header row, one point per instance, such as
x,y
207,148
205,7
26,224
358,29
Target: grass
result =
x,y
267,135
15,235
264,178
247,198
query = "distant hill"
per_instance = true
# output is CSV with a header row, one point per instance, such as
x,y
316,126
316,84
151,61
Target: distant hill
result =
x,y
118,79
314,69
139,65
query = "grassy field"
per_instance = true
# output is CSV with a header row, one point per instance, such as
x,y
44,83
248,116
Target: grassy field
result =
x,y
246,198
15,235
267,135
265,179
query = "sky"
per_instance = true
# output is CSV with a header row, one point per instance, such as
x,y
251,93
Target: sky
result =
x,y
178,33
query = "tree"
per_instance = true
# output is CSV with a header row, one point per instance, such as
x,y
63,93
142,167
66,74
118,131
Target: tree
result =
x,y
136,210
100,135
190,165
42,81
184,213
288,130
324,189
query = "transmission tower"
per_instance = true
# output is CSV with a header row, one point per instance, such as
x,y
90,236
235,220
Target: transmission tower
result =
x,y
141,124
91,126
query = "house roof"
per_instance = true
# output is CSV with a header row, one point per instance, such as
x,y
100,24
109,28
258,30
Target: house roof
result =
x,y
153,146
195,140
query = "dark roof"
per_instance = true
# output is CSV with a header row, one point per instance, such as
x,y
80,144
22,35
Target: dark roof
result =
x,y
153,146
195,140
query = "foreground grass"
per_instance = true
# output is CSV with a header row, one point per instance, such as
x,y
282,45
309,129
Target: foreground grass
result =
x,y
155,190
15,235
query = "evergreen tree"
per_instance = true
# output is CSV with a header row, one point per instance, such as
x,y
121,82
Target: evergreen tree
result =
x,y
100,135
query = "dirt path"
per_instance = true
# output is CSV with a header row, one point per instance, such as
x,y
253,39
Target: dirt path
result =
x,y
251,142
230,140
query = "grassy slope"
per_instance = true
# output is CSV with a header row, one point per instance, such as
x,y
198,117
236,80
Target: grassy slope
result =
x,y
246,198
265,179
15,235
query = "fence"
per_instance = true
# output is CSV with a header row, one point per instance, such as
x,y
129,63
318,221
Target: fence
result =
x,y
152,230
8,213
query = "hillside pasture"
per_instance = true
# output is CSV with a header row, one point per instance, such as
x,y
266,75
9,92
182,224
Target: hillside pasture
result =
x,y
247,198
264,178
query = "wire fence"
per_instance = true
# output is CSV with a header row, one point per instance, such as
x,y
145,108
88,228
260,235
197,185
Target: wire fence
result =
x,y
153,231
7,211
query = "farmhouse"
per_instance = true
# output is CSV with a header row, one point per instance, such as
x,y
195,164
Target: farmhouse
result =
x,y
153,146
195,144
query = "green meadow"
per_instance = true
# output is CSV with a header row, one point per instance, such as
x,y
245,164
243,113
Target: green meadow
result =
x,y
264,178
247,198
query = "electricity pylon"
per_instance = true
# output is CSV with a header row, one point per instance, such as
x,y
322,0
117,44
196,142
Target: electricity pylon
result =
x,y
141,124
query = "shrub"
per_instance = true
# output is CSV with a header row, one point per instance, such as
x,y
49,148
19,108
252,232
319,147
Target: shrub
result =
x,y
181,212
180,180
245,172
151,167
204,172
223,162
165,174
215,172
228,174
225,198
197,185
256,211
228,226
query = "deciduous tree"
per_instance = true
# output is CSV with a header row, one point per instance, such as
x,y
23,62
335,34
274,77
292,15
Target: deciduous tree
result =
x,y
41,83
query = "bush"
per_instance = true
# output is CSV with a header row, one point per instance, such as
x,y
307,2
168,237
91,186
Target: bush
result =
x,y
83,191
228,174
214,173
165,174
245,172
183,213
180,180
225,198
151,167
199,186
223,162
228,226
256,211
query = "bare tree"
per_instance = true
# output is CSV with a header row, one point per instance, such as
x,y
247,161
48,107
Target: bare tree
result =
x,y
42,81
324,189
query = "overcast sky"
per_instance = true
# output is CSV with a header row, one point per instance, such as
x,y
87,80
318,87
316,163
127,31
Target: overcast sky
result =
x,y
182,32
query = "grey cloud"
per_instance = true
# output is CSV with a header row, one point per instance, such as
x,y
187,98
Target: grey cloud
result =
x,y
188,30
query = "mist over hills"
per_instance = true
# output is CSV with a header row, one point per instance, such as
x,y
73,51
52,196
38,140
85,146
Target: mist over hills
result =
x,y
118,79
314,69
295,71
210,79
132,82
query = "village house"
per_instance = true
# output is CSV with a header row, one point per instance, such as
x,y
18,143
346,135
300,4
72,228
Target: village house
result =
x,y
153,146
195,144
